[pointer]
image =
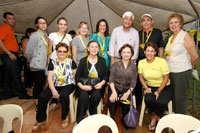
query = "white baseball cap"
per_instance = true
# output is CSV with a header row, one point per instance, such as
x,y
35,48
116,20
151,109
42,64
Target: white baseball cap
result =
x,y
129,14
146,14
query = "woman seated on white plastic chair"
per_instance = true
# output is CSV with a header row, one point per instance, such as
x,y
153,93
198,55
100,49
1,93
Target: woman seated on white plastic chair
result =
x,y
154,76
123,77
91,66
61,85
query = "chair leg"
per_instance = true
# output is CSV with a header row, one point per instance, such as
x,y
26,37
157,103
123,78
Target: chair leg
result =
x,y
71,108
134,101
76,104
142,112
108,113
170,107
99,107
47,111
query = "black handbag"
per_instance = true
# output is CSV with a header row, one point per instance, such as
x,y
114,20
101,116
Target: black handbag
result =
x,y
90,81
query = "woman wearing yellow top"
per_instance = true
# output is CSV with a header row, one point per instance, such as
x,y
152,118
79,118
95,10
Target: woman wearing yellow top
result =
x,y
154,76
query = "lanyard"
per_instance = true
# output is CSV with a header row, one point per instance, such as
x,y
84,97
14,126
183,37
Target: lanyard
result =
x,y
170,43
45,41
147,36
61,37
60,77
84,45
102,46
92,75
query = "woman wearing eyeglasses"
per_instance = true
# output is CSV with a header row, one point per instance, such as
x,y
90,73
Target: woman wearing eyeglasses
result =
x,y
91,66
61,85
36,53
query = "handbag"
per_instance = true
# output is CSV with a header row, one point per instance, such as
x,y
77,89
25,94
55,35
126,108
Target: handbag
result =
x,y
131,118
90,81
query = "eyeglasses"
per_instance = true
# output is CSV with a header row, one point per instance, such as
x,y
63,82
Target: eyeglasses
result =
x,y
42,23
59,51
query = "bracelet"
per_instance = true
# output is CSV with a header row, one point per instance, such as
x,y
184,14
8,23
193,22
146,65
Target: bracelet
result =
x,y
10,54
159,91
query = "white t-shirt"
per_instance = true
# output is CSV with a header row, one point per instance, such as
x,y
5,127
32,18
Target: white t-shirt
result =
x,y
56,39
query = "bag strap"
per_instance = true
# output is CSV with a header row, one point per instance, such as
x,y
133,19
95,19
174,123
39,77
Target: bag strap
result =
x,y
63,37
131,104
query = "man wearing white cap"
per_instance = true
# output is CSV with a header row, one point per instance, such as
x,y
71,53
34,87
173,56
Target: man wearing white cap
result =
x,y
124,34
149,34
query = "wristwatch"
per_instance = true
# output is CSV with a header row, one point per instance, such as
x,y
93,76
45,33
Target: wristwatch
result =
x,y
159,91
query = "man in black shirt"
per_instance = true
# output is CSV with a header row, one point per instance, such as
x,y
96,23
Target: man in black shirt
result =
x,y
147,34
150,34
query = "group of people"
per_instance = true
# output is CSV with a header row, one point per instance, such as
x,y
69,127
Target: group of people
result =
x,y
130,61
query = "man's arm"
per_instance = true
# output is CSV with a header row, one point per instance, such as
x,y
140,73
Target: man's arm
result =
x,y
31,45
111,47
5,50
136,48
160,45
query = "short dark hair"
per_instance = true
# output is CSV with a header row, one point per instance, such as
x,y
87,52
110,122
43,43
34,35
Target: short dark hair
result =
x,y
39,17
72,32
153,45
107,27
92,42
29,31
61,45
126,46
7,13
62,18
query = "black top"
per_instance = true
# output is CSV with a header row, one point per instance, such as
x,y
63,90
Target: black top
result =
x,y
156,37
101,68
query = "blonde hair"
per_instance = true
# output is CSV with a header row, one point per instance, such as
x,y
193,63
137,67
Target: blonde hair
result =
x,y
176,15
80,25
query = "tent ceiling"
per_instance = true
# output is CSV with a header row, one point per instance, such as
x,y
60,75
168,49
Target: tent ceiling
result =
x,y
78,10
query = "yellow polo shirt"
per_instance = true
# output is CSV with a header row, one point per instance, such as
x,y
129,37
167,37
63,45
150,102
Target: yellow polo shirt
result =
x,y
153,72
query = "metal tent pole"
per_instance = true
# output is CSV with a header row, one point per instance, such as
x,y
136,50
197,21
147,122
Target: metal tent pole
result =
x,y
194,81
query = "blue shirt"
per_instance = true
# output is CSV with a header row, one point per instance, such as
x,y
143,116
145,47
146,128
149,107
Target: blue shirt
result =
x,y
106,47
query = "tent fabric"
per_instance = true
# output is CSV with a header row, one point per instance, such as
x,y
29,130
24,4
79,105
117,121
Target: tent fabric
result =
x,y
92,10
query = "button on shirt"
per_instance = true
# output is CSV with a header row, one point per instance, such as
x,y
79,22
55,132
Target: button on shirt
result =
x,y
36,51
120,37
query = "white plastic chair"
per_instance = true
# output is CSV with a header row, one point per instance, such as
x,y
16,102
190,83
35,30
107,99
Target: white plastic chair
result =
x,y
143,110
8,112
93,123
178,122
71,108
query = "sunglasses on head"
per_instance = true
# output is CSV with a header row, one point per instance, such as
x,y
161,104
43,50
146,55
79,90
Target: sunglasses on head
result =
x,y
59,51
